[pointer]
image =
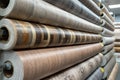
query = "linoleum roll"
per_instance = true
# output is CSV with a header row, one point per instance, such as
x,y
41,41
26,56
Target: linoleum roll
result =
x,y
107,48
92,6
107,57
105,17
117,34
104,9
117,44
43,12
107,33
97,75
98,2
107,25
37,64
114,72
77,8
117,49
19,35
108,68
80,71
108,40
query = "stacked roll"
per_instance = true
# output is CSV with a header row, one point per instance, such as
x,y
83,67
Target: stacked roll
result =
x,y
53,40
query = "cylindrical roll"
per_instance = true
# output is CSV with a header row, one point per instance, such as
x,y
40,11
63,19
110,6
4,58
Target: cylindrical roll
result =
x,y
98,2
114,72
108,40
117,44
37,64
104,9
108,68
19,35
117,34
77,8
117,49
97,75
107,57
43,12
92,6
107,33
105,24
80,71
105,17
107,48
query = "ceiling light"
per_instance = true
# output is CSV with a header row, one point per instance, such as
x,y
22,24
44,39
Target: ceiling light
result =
x,y
114,6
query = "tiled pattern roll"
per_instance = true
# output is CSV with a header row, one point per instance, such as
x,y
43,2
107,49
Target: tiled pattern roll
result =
x,y
80,71
37,64
114,72
97,75
108,68
92,6
108,40
77,8
43,12
29,35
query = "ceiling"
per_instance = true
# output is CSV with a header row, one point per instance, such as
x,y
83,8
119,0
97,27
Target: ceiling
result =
x,y
112,2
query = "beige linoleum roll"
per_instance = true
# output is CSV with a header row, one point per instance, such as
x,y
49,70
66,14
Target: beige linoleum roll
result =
x,y
108,40
77,8
43,12
117,49
80,71
107,48
117,44
108,68
92,6
117,35
19,35
107,33
114,72
40,63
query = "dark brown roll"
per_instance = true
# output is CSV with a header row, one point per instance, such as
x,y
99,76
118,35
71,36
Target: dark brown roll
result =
x,y
104,9
77,8
108,40
97,75
107,33
80,71
107,48
109,67
114,72
105,24
107,57
43,12
19,35
105,17
37,64
92,6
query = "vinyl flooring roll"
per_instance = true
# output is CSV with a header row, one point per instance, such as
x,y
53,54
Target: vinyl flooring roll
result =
x,y
77,8
97,75
117,44
107,33
109,67
107,48
37,64
107,57
104,9
107,25
117,34
19,35
43,12
114,72
117,49
98,2
92,6
108,40
80,71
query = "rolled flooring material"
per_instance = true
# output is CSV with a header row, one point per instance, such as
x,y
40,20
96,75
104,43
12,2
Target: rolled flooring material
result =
x,y
107,25
77,8
107,33
97,75
80,71
105,17
117,44
38,64
108,40
20,35
117,49
104,9
92,6
107,48
108,68
114,72
98,2
107,57
43,12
